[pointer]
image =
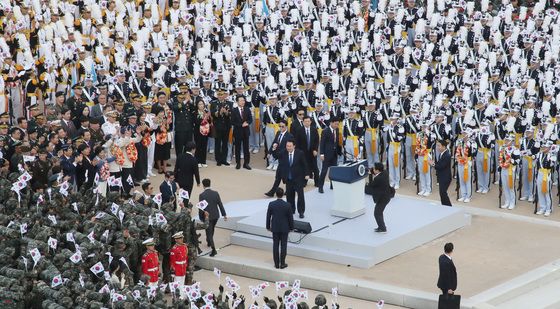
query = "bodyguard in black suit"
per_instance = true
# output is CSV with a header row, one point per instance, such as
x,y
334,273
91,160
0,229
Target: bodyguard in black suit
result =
x,y
168,188
292,169
85,171
329,150
443,171
447,280
381,192
307,140
279,142
186,168
214,209
280,221
241,119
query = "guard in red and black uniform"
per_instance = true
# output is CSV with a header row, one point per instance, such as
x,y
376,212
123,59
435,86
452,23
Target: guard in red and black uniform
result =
x,y
150,262
178,259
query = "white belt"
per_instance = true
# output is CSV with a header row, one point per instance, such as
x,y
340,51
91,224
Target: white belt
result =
x,y
152,269
181,262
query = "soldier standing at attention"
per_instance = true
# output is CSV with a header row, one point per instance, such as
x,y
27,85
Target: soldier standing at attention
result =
x,y
150,262
179,260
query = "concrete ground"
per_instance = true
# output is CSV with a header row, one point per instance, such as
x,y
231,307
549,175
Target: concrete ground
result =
x,y
493,250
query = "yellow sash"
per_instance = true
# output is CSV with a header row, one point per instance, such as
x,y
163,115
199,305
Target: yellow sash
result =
x,y
373,139
413,136
517,138
257,119
544,185
290,124
485,151
466,170
320,131
396,148
340,134
529,167
329,103
425,168
355,145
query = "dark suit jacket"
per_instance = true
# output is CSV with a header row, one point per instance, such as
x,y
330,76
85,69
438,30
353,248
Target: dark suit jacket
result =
x,y
329,145
237,121
215,206
142,199
301,140
447,274
443,168
68,168
185,168
279,217
295,126
380,187
298,169
81,169
166,192
282,145
70,128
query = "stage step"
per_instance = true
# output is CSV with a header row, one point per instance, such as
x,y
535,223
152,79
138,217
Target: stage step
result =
x,y
338,256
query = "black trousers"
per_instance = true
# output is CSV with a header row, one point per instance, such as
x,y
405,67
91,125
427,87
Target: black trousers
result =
x,y
378,213
181,140
221,144
279,248
293,187
201,145
242,137
326,164
140,166
313,169
166,268
210,233
276,184
443,193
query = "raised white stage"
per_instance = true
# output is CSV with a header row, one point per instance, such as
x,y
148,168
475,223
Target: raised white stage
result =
x,y
411,222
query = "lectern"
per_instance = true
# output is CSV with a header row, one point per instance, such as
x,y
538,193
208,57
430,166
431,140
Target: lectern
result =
x,y
348,185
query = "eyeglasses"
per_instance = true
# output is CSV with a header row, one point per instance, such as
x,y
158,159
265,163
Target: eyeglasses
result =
x,y
281,126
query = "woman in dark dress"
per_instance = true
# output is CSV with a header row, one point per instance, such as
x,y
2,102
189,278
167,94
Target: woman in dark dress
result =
x,y
164,120
141,164
203,121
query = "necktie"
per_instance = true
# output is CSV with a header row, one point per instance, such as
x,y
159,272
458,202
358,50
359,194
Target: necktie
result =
x,y
308,141
241,113
291,159
334,135
280,138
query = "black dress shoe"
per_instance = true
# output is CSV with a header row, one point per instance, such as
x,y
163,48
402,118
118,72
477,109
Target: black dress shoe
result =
x,y
321,190
269,194
283,266
378,230
237,166
247,167
276,266
226,164
219,164
301,216
213,253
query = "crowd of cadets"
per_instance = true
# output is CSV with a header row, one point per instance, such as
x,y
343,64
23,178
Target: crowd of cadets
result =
x,y
94,94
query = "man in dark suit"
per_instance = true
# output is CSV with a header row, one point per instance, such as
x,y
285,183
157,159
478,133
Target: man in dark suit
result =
x,y
293,171
329,150
297,123
186,168
279,221
148,195
67,124
443,171
68,163
307,140
241,119
447,280
279,142
214,209
85,170
381,193
168,188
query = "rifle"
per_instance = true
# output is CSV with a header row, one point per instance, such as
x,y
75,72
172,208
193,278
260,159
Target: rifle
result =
x,y
417,181
500,186
521,178
456,173
265,146
535,193
403,150
475,178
